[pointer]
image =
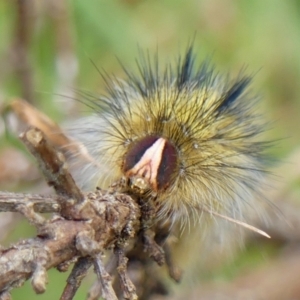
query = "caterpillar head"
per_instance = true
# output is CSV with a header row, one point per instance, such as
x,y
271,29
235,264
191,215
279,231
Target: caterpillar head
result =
x,y
150,164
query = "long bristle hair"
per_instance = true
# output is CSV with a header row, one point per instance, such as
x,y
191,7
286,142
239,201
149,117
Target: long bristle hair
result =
x,y
211,120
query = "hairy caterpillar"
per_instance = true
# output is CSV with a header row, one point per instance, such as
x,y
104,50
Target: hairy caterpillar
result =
x,y
183,136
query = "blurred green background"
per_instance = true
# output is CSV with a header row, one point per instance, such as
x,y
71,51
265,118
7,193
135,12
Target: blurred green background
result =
x,y
48,49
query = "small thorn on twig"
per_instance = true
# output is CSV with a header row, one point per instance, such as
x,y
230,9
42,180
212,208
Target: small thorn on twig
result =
x,y
39,280
128,288
27,210
75,278
104,278
152,248
174,271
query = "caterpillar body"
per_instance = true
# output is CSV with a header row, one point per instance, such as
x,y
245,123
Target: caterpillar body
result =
x,y
184,136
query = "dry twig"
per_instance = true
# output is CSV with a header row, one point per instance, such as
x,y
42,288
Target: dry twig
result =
x,y
86,225
93,209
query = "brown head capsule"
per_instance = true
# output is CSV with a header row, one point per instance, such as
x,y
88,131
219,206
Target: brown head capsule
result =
x,y
152,160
